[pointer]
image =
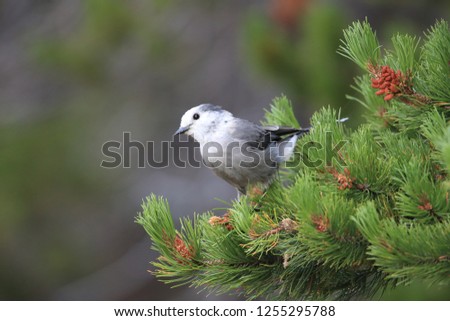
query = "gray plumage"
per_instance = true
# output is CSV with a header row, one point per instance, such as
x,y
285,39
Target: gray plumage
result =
x,y
237,150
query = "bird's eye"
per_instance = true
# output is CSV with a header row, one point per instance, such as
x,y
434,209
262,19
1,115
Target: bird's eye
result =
x,y
196,116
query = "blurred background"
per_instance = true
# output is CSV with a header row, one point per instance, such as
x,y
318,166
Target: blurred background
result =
x,y
76,74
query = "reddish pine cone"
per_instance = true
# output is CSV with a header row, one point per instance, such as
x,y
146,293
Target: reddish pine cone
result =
x,y
389,82
185,251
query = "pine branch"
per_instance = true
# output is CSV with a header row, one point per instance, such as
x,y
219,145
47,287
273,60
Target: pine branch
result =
x,y
407,252
354,212
361,45
434,72
404,55
180,251
281,113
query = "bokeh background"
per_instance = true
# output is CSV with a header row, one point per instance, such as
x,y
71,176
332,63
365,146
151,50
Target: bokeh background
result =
x,y
75,74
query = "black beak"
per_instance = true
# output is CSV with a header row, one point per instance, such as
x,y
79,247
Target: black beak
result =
x,y
181,130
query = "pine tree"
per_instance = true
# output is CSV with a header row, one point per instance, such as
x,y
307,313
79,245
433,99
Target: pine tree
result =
x,y
354,212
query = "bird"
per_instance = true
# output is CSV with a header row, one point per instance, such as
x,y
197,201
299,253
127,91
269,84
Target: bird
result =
x,y
237,150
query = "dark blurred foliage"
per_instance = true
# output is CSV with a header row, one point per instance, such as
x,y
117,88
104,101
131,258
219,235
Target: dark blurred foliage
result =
x,y
296,45
76,74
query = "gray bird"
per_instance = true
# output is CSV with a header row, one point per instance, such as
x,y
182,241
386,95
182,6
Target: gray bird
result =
x,y
237,150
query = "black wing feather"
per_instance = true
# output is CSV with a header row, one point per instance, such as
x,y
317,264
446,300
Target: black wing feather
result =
x,y
275,133
262,136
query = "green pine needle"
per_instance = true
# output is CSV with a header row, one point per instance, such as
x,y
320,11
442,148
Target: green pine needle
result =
x,y
360,45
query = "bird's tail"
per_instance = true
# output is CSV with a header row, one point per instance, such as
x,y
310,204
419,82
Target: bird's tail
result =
x,y
285,148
